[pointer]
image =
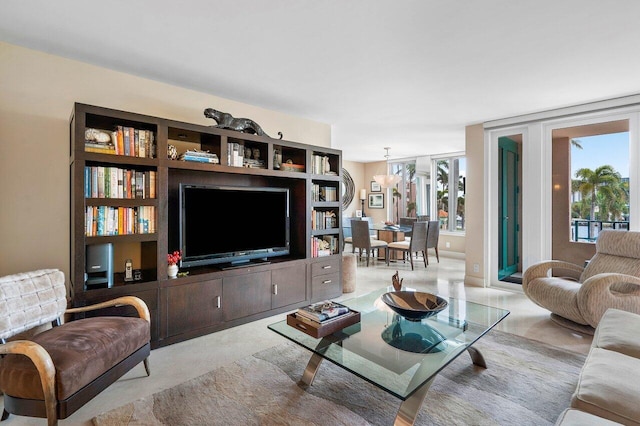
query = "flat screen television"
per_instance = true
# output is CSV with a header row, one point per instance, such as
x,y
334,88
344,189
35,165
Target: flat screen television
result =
x,y
232,225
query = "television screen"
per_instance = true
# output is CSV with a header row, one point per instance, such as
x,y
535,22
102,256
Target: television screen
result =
x,y
231,224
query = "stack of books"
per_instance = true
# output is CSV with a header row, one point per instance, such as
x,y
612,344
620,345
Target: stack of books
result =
x,y
200,156
322,312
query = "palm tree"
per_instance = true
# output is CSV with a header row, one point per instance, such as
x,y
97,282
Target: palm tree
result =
x,y
602,180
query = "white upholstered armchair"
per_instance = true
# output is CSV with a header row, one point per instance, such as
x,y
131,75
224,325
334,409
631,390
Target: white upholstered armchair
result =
x,y
578,296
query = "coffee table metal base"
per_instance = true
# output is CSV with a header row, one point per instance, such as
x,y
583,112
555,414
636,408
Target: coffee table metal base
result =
x,y
410,407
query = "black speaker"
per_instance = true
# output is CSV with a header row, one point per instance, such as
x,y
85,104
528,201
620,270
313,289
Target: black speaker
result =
x,y
99,267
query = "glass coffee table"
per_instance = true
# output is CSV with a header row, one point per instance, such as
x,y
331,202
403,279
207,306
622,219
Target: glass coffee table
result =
x,y
399,356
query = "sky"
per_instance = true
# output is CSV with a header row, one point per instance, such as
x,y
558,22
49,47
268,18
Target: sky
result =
x,y
611,149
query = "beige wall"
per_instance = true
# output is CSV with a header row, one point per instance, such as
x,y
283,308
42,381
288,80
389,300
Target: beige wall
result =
x,y
37,92
474,249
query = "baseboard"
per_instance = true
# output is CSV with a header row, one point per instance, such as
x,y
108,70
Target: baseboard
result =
x,y
474,281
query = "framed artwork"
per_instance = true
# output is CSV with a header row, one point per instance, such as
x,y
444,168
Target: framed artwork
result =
x,y
375,186
376,201
358,213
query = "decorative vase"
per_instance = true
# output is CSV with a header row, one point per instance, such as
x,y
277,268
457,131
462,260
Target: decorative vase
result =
x,y
172,270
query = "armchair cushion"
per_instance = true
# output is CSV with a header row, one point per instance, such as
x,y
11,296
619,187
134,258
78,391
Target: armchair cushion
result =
x,y
30,299
78,360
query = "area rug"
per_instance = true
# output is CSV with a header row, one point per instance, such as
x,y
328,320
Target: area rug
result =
x,y
526,383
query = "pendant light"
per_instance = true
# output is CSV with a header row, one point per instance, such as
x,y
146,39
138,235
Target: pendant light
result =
x,y
387,181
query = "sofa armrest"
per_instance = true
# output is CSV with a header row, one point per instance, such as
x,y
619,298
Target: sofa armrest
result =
x,y
46,370
608,290
542,270
136,302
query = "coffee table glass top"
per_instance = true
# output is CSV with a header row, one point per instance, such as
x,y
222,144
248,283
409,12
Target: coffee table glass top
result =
x,y
393,353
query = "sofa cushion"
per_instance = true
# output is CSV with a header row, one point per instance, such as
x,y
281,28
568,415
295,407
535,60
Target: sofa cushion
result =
x,y
618,331
571,417
81,351
608,387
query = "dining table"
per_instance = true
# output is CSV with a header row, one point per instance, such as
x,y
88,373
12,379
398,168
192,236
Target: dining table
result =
x,y
390,233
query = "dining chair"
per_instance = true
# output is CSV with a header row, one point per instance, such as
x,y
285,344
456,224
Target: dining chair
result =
x,y
361,240
407,221
348,233
433,235
417,244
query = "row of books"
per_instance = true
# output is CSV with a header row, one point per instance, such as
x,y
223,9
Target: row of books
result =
x,y
321,219
323,193
320,165
325,246
235,154
124,140
106,220
116,182
322,312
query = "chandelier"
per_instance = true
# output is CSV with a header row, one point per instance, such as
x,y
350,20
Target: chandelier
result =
x,y
387,181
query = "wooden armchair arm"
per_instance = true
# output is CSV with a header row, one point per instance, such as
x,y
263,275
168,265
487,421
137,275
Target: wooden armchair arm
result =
x,y
46,370
136,302
596,295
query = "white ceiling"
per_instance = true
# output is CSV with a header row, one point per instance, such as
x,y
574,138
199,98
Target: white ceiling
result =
x,y
409,75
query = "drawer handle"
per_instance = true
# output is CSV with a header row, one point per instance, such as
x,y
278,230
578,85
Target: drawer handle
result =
x,y
217,301
326,282
275,289
326,267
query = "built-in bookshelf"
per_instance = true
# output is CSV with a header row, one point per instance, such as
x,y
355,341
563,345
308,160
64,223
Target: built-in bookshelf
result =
x,y
126,170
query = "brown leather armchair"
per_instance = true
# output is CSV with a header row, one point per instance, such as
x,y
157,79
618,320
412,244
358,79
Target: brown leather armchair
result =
x,y
55,372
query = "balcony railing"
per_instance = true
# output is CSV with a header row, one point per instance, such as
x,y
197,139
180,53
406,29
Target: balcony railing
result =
x,y
583,230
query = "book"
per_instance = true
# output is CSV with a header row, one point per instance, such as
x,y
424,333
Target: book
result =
x,y
322,311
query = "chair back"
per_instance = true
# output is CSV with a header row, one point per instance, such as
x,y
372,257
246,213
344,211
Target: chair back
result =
x,y
418,237
346,224
433,233
31,299
407,221
616,251
423,218
360,234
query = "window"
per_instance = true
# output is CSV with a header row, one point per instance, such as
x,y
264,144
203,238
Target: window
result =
x,y
599,184
449,179
403,195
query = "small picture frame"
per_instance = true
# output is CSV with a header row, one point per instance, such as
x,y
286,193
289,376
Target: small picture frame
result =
x,y
375,186
358,213
376,201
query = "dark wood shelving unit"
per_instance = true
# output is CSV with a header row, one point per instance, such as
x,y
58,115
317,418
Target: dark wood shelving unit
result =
x,y
208,299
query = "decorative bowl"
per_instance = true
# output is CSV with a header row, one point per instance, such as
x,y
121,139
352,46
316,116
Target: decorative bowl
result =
x,y
414,305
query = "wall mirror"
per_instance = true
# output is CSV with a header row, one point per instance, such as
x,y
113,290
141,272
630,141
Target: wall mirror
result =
x,y
348,189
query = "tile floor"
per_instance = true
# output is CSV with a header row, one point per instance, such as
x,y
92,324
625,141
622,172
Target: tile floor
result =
x,y
182,361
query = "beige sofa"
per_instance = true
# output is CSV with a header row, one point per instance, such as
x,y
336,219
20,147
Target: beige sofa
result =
x,y
608,390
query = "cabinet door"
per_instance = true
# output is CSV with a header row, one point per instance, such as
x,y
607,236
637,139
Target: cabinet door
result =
x,y
288,285
246,295
193,306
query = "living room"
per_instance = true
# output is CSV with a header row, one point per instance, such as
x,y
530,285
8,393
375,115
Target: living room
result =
x,y
39,89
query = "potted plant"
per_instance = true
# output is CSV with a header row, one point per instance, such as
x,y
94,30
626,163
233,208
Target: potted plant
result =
x,y
172,261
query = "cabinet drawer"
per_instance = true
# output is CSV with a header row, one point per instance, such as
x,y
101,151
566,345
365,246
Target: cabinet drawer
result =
x,y
329,266
325,286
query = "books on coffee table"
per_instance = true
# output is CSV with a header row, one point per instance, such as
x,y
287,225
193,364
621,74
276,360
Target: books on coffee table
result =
x,y
322,311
